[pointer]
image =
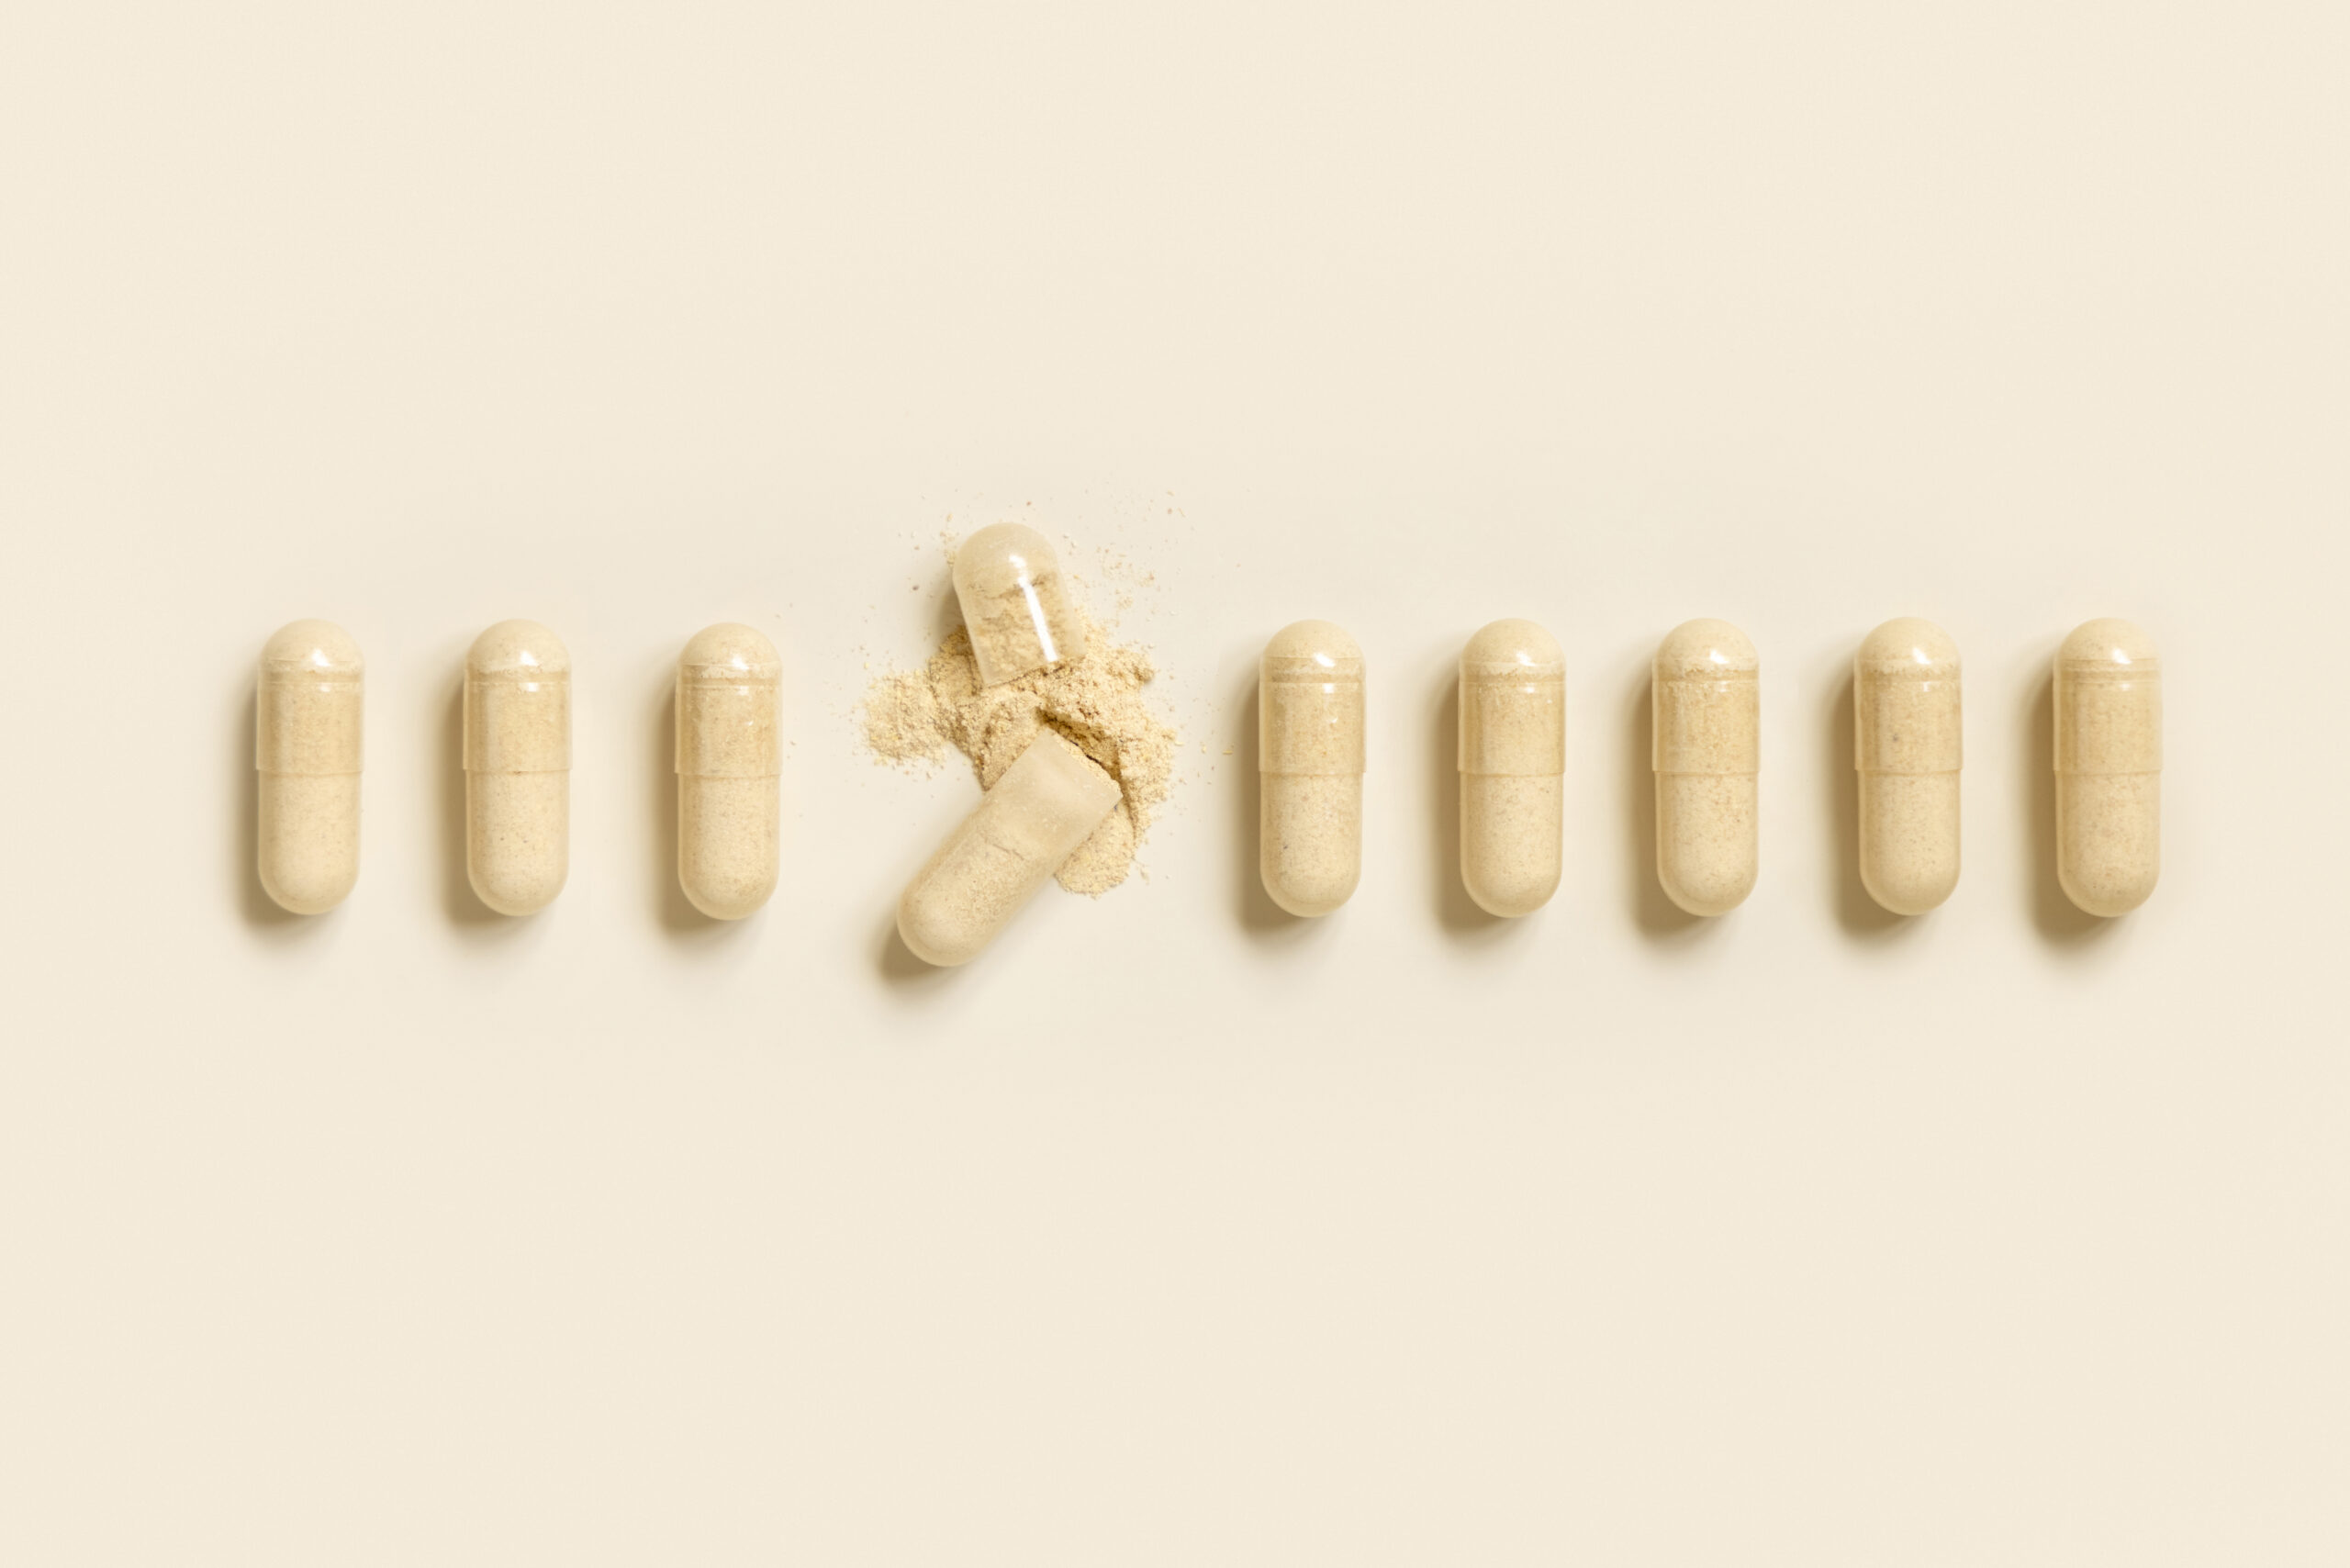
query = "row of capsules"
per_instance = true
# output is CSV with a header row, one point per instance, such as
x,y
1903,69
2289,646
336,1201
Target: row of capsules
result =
x,y
1706,716
1022,618
517,761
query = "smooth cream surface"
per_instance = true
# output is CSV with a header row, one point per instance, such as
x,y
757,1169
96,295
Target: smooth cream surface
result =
x,y
2108,716
1908,740
1513,755
518,766
729,767
309,722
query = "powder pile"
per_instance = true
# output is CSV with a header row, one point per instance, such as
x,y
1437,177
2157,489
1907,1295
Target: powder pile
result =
x,y
913,716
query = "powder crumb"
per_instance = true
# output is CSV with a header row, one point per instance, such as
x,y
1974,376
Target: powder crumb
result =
x,y
912,717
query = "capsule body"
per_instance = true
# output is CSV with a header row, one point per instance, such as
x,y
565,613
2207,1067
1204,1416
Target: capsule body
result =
x,y
2109,700
1907,743
309,708
729,804
1706,710
1310,759
1513,761
1018,605
1020,832
518,766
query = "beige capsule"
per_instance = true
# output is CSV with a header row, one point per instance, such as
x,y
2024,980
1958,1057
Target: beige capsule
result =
x,y
729,793
307,713
1907,743
1018,605
1513,761
1022,832
2108,701
518,766
1310,731
1707,747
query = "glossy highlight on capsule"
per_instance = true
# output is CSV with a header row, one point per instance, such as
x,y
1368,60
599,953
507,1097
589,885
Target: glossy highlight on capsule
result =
x,y
1019,607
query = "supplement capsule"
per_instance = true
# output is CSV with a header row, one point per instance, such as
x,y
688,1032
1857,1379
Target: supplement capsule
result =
x,y
518,766
1513,757
1018,607
1022,832
1907,744
2109,698
307,748
1310,758
729,807
1706,693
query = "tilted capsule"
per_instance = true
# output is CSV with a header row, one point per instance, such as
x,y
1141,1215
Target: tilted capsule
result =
x,y
1022,832
1018,606
1513,761
307,712
518,766
1706,709
729,806
1907,743
1310,731
2109,700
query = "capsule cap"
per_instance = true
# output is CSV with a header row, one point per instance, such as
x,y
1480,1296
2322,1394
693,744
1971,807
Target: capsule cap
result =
x,y
1513,702
308,701
1017,604
1706,702
1907,709
1310,701
518,700
2109,700
726,704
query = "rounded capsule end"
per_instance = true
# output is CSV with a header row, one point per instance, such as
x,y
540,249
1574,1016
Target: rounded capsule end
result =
x,y
2108,642
1514,643
519,889
1704,649
1907,644
933,931
1320,641
1000,557
302,647
517,650
730,652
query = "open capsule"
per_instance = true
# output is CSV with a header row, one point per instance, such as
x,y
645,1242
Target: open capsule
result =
x,y
1513,757
1310,731
2108,701
1705,692
729,805
307,748
1907,743
1017,604
518,766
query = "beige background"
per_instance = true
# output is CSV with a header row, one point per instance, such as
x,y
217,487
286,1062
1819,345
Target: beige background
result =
x,y
1172,1232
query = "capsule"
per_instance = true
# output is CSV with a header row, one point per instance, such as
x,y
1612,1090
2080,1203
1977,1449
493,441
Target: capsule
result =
x,y
1907,744
729,806
518,766
1512,759
1018,606
1310,758
1019,835
2108,699
1706,693
307,742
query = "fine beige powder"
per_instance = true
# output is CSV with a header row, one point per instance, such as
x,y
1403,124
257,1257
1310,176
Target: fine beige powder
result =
x,y
916,716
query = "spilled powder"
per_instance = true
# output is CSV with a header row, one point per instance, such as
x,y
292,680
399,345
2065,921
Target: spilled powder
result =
x,y
916,716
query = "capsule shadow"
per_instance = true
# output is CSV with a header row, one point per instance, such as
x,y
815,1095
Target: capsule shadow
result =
x,y
262,913
1860,914
2056,916
1259,915
1461,917
1653,912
